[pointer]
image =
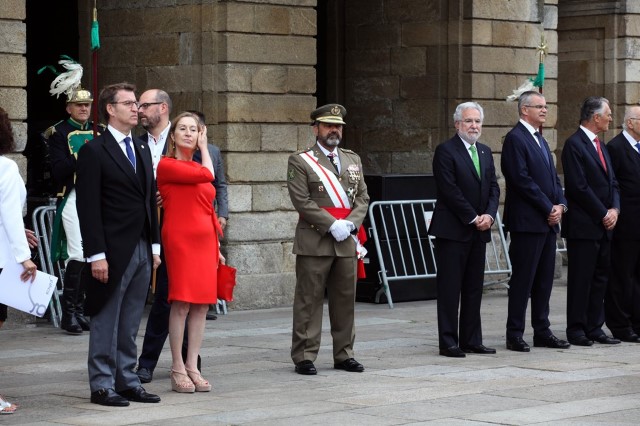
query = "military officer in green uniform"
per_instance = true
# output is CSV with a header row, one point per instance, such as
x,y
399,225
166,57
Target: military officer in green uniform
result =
x,y
327,189
64,139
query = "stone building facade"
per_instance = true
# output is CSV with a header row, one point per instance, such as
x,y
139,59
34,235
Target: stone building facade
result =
x,y
256,68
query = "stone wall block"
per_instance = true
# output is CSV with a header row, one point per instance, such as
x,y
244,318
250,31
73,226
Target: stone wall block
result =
x,y
13,37
190,49
510,34
239,198
512,10
501,60
269,79
369,62
14,101
269,19
277,137
237,137
14,70
414,10
419,34
410,162
174,79
268,49
377,88
480,32
499,112
303,21
176,19
13,9
406,113
483,86
263,291
262,227
256,259
550,17
19,135
378,36
235,77
271,197
301,79
306,137
235,17
353,12
408,62
256,167
377,114
266,108
421,87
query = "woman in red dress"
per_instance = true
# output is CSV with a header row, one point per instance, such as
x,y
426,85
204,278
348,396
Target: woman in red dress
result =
x,y
190,240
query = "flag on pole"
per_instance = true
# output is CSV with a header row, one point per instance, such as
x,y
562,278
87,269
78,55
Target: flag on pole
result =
x,y
538,80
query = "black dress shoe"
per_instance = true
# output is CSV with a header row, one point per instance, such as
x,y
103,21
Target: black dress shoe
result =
x,y
350,365
550,342
517,344
108,397
581,341
452,352
144,374
606,340
211,316
306,368
629,336
478,349
139,395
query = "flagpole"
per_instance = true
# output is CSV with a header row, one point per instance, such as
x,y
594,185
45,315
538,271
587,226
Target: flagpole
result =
x,y
95,45
542,49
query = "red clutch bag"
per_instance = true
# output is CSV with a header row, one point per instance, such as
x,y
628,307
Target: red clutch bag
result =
x,y
226,282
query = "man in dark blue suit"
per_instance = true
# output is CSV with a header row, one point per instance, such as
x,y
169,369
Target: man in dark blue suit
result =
x,y
468,196
622,301
594,204
533,207
120,237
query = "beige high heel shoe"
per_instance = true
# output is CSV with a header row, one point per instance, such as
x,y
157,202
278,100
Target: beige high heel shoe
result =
x,y
201,384
181,382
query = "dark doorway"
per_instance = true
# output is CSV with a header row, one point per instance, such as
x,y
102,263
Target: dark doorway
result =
x,y
330,52
52,31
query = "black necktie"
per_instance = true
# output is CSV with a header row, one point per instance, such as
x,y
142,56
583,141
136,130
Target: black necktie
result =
x,y
332,158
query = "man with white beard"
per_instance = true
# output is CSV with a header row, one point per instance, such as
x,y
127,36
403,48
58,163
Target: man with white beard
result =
x,y
468,196
327,189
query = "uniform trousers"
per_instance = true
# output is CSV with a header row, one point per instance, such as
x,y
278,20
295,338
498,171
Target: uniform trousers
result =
x,y
314,274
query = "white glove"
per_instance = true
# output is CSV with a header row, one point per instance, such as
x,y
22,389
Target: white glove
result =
x,y
340,229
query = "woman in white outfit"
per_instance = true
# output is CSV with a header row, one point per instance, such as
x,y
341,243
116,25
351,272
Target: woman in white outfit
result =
x,y
13,240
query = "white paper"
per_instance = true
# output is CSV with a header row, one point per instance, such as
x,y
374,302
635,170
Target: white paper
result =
x,y
30,297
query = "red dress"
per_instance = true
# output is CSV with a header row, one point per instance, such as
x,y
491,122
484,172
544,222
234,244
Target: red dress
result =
x,y
189,230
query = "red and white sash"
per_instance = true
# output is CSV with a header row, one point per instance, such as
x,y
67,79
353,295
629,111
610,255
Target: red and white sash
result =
x,y
339,198
329,180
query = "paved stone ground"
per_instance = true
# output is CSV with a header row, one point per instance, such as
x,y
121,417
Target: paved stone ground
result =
x,y
246,356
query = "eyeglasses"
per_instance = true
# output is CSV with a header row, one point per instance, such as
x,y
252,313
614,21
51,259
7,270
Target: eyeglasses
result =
x,y
537,106
148,104
127,104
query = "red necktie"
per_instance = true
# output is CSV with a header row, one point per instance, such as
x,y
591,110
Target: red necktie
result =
x,y
597,142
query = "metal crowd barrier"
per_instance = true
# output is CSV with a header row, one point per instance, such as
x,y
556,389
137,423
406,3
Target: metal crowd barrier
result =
x,y
42,218
405,251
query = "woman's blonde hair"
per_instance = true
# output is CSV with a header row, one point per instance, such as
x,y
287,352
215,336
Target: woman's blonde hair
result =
x,y
171,149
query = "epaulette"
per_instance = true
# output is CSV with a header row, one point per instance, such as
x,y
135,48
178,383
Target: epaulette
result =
x,y
304,150
348,151
51,130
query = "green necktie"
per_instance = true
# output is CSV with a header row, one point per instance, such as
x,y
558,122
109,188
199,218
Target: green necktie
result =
x,y
474,158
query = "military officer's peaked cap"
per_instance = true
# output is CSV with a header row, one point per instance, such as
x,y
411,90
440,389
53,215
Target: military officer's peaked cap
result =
x,y
80,96
330,113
